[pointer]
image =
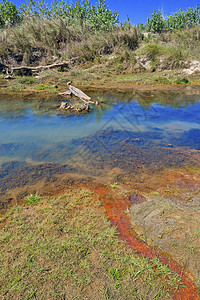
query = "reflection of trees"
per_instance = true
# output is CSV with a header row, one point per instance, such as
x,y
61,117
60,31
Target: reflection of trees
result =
x,y
18,108
167,99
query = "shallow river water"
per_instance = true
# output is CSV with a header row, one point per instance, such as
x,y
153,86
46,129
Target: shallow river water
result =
x,y
124,134
29,127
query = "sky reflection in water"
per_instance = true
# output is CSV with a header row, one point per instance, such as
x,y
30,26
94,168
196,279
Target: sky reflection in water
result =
x,y
27,127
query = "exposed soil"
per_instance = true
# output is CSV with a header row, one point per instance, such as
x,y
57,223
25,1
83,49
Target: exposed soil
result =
x,y
120,83
115,207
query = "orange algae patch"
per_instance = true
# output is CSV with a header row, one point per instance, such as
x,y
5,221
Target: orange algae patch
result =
x,y
116,210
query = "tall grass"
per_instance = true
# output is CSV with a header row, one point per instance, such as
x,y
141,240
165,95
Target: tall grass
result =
x,y
37,40
51,33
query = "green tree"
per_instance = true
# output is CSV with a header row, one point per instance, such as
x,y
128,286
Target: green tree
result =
x,y
183,19
9,14
98,16
156,23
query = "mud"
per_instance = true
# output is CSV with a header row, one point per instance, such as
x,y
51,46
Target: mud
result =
x,y
17,177
113,155
172,226
115,208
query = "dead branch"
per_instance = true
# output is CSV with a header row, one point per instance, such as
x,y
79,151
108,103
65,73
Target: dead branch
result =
x,y
78,93
86,102
40,68
66,93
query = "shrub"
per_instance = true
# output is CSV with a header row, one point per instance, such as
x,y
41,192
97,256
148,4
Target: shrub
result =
x,y
155,23
9,14
98,16
176,21
152,51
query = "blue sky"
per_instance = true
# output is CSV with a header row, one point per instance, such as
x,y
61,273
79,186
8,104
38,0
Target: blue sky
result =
x,y
138,11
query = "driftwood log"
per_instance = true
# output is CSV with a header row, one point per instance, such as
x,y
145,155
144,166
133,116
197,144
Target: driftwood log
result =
x,y
78,93
85,99
40,68
29,70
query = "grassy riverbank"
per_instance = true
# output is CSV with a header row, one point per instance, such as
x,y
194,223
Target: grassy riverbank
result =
x,y
50,83
98,49
65,248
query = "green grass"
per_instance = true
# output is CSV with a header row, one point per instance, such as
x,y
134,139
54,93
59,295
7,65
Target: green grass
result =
x,y
42,87
183,80
65,248
33,199
26,80
38,41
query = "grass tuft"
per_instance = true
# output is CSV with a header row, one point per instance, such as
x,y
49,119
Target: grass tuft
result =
x,y
33,199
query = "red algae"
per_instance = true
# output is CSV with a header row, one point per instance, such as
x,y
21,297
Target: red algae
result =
x,y
3,224
116,210
116,207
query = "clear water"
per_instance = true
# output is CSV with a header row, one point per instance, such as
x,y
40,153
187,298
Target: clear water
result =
x,y
29,128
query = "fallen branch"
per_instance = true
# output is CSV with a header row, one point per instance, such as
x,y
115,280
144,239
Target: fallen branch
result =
x,y
29,70
66,93
86,102
78,93
39,68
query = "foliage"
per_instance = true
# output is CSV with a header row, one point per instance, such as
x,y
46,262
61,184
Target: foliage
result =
x,y
155,23
98,16
9,14
176,21
183,19
33,199
126,24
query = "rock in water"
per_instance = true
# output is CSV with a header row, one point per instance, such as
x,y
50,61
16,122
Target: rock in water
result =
x,y
63,105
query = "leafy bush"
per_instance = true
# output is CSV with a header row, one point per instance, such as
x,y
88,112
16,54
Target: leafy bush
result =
x,y
183,19
98,16
9,14
176,21
156,23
